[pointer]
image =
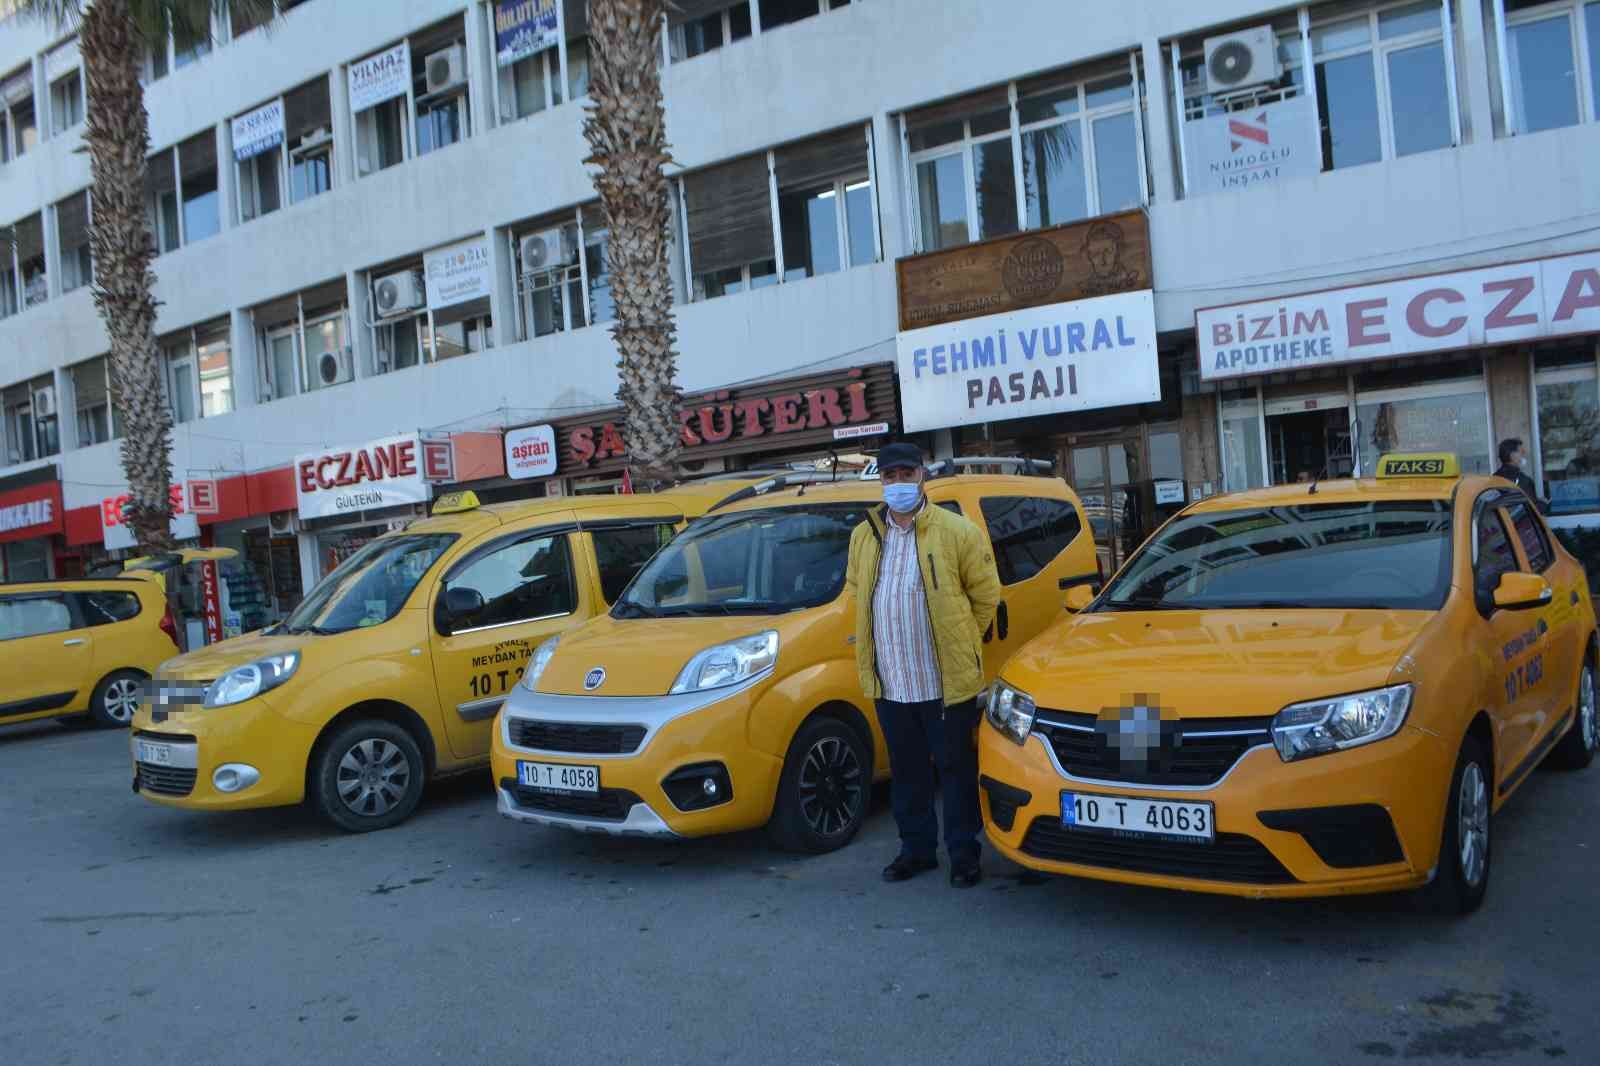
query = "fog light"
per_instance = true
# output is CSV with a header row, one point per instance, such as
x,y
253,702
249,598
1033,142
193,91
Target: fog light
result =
x,y
698,786
234,777
709,786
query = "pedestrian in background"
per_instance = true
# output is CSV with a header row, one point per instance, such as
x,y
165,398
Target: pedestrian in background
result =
x,y
926,588
1513,463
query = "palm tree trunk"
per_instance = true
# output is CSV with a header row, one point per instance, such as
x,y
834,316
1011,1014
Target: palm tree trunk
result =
x,y
626,131
118,138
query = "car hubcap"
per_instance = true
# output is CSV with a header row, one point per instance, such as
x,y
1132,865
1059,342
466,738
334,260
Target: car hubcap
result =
x,y
373,776
1472,828
122,700
831,788
1586,712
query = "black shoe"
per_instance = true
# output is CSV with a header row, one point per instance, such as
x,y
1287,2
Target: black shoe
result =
x,y
965,874
905,867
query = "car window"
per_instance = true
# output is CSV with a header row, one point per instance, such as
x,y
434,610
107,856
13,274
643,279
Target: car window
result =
x,y
1534,544
1495,554
32,616
1028,532
106,608
371,586
524,580
951,505
620,553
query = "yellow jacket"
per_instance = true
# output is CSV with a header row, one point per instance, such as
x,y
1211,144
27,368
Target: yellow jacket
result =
x,y
962,587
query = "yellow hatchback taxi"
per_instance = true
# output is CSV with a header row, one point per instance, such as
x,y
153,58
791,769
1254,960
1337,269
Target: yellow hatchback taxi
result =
x,y
721,691
1299,691
81,648
391,670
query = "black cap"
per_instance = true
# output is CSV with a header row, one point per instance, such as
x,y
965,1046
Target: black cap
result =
x,y
891,456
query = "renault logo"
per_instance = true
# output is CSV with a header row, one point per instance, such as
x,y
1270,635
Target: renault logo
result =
x,y
594,679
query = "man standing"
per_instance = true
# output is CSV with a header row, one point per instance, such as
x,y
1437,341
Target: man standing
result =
x,y
926,589
1513,457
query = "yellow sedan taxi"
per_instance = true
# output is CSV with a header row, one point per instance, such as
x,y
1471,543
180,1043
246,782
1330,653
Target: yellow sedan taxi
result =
x,y
391,670
1298,691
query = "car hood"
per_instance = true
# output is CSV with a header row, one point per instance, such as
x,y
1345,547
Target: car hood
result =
x,y
641,656
1218,663
211,662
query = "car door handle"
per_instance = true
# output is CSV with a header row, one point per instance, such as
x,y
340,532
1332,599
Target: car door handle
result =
x,y
73,642
1004,618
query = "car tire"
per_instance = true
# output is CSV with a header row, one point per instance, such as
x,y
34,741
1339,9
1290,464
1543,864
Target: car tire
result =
x,y
1577,749
824,790
1461,877
116,698
367,775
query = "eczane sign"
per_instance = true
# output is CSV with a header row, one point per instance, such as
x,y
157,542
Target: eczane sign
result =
x,y
1437,312
366,477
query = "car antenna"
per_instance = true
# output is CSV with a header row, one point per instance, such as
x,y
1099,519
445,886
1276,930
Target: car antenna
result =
x,y
833,457
1312,491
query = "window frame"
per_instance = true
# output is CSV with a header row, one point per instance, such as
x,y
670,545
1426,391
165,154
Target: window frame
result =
x,y
1510,506
74,619
1491,501
1002,558
79,407
176,353
562,533
1575,12
77,103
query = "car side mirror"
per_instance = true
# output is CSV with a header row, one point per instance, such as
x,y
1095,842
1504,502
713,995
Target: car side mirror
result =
x,y
1518,591
1079,597
454,604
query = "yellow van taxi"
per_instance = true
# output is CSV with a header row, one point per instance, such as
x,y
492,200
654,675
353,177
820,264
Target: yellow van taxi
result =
x,y
721,693
391,670
1299,691
84,647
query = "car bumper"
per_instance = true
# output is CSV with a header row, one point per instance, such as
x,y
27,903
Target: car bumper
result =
x,y
251,736
1333,815
682,731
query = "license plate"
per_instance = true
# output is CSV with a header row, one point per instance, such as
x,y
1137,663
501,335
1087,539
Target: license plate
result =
x,y
153,753
558,777
1127,816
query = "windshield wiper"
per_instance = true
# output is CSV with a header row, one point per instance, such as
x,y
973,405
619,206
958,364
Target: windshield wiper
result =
x,y
1142,605
633,609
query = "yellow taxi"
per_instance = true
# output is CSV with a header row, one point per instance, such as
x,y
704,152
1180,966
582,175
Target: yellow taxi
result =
x,y
391,670
721,693
84,647
1300,691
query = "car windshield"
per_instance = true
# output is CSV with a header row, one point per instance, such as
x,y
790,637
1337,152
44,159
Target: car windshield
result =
x,y
369,587
1392,555
750,562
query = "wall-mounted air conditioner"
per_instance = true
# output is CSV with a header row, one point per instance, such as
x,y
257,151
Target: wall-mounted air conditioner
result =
x,y
316,137
44,402
1240,60
445,69
335,368
398,293
547,250
282,523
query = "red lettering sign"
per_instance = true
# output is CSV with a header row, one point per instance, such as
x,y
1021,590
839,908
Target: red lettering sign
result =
x,y
213,601
1363,326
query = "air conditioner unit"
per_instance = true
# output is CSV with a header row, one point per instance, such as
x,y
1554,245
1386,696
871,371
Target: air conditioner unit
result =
x,y
282,523
399,293
1240,60
44,402
547,250
335,368
445,68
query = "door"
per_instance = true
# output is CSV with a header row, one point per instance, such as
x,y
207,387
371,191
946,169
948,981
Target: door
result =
x,y
1106,477
491,610
1559,642
1515,638
1030,536
45,657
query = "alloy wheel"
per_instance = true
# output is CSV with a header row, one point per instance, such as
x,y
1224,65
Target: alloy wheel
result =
x,y
1472,824
122,700
373,777
831,786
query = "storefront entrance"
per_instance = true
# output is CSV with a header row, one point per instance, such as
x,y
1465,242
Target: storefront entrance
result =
x,y
1106,477
1308,438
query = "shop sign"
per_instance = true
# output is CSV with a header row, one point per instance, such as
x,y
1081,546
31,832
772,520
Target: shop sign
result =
x,y
115,533
531,452
1437,312
380,77
366,477
795,414
1032,269
203,497
1261,146
457,274
523,28
212,600
1169,492
32,511
874,429
1040,361
258,131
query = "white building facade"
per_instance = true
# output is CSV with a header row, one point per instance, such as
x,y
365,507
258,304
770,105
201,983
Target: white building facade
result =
x,y
374,222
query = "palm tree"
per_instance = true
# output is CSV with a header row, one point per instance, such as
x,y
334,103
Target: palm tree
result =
x,y
113,36
626,131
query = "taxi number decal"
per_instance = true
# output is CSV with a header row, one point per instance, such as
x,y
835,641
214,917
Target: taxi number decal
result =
x,y
1524,677
493,684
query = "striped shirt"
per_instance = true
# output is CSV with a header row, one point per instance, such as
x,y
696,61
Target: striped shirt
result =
x,y
907,665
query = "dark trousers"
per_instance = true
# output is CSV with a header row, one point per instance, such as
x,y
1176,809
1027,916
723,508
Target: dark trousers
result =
x,y
920,736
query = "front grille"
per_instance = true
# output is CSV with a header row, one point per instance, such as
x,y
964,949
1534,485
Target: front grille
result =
x,y
165,780
608,805
1205,749
1234,857
576,738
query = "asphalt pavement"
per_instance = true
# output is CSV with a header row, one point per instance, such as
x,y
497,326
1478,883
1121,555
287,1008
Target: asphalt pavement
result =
x,y
134,934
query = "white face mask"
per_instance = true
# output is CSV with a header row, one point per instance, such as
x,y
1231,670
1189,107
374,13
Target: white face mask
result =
x,y
901,496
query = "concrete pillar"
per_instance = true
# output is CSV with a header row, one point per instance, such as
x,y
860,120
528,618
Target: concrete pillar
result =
x,y
1475,73
228,176
361,348
890,165
1510,397
480,69
1202,456
247,375
1158,124
503,288
344,129
52,256
66,410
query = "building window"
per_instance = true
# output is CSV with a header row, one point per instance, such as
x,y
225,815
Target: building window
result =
x,y
528,84
775,13
28,238
214,357
439,85
305,133
19,127
1549,83
1445,416
182,389
66,102
197,173
243,18
189,43
72,236
399,302
1567,406
434,113
698,28
730,234
98,420
161,200
550,289
31,421
304,341
825,204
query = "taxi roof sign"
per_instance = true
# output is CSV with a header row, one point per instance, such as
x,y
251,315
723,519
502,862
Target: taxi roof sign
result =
x,y
1419,464
456,502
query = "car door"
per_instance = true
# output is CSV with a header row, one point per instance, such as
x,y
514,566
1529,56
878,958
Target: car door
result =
x,y
45,656
1560,642
1030,535
1513,638
491,609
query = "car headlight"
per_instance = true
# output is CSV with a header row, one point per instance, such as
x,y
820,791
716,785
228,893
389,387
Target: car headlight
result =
x,y
541,659
729,664
251,680
1317,727
1010,711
